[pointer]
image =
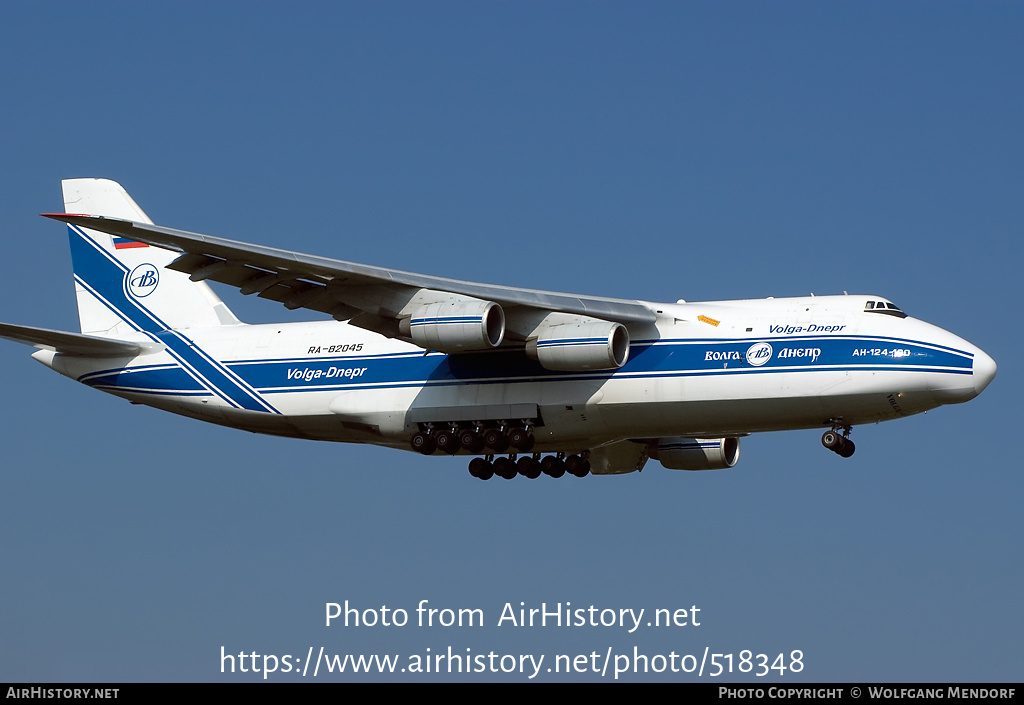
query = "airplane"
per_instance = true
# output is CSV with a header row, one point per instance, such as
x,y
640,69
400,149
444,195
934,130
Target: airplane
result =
x,y
522,382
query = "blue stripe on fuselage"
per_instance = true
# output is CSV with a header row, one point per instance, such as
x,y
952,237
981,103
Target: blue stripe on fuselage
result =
x,y
667,358
662,360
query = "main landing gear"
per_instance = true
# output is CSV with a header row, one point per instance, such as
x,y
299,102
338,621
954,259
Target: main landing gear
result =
x,y
495,441
838,444
451,439
530,466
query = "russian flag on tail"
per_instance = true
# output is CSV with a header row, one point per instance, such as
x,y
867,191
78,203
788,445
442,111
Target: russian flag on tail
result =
x,y
121,243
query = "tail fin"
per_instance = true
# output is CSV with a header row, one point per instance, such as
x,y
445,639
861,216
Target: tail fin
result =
x,y
119,282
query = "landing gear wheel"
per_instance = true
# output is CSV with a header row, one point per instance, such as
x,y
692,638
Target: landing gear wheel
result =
x,y
471,441
552,466
481,469
521,439
528,467
505,468
841,445
422,443
496,440
447,442
575,465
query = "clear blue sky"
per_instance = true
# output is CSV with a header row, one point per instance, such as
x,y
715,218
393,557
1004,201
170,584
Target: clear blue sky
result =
x,y
655,151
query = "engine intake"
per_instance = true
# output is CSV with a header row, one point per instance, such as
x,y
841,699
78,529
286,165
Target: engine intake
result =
x,y
696,453
597,345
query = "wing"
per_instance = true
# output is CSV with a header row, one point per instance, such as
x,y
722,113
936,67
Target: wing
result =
x,y
434,312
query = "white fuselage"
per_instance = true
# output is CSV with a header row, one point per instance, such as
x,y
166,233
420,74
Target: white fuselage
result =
x,y
714,369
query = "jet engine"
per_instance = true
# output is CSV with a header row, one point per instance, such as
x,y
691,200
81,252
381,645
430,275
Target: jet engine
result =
x,y
680,453
457,325
596,345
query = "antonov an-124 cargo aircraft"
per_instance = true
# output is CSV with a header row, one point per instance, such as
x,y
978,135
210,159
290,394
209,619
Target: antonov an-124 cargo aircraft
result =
x,y
519,381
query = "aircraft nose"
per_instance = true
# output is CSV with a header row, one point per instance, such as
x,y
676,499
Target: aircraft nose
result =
x,y
984,371
956,389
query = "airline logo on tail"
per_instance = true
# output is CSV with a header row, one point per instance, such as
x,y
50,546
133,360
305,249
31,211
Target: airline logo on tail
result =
x,y
142,280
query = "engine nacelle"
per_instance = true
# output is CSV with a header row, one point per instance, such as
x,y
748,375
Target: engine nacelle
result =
x,y
696,453
456,325
596,345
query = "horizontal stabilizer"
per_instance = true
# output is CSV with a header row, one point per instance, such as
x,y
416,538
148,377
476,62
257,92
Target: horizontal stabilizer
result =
x,y
69,343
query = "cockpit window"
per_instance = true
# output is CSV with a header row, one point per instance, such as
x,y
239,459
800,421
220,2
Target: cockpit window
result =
x,y
884,307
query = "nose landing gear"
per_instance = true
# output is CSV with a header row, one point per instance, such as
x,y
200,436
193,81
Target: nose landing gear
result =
x,y
841,445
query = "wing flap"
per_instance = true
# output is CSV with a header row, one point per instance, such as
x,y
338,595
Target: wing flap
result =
x,y
69,343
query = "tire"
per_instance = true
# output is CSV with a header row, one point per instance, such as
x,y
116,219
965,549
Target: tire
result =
x,y
471,441
447,442
505,468
520,439
552,466
422,443
528,467
496,440
481,469
575,465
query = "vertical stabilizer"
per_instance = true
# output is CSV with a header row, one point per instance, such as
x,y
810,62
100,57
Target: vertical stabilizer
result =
x,y
119,282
